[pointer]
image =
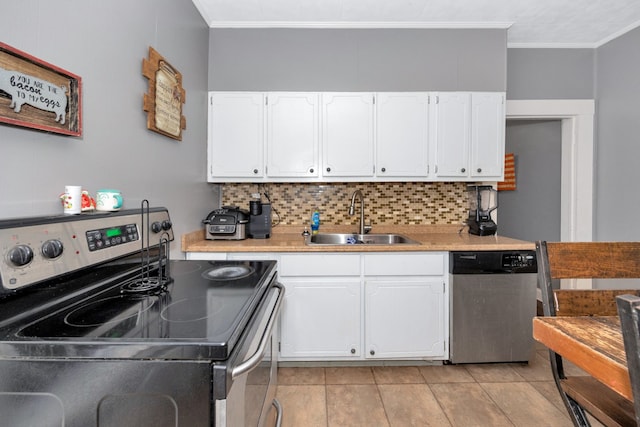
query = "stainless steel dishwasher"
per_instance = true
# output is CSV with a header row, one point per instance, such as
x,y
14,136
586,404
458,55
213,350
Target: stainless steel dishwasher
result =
x,y
492,304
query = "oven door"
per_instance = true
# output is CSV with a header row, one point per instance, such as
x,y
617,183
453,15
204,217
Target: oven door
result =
x,y
250,376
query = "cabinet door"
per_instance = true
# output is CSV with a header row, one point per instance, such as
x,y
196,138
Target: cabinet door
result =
x,y
292,135
402,134
236,135
347,134
453,133
404,318
487,135
320,319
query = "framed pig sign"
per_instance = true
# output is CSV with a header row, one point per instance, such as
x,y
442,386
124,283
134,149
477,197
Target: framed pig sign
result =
x,y
38,95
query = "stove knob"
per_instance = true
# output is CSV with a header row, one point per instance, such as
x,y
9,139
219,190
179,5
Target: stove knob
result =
x,y
166,225
52,249
156,227
20,255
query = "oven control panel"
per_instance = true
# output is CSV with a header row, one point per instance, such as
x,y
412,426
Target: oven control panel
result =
x,y
112,236
36,249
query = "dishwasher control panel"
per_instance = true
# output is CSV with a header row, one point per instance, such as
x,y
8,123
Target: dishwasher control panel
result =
x,y
518,260
493,262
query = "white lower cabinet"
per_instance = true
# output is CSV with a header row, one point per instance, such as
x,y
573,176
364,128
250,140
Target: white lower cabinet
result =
x,y
320,319
404,319
364,306
321,314
405,305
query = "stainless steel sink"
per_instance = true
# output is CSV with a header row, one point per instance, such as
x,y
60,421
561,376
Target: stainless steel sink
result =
x,y
360,239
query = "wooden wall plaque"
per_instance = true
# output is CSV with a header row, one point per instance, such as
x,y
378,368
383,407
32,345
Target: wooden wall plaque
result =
x,y
163,102
38,95
509,183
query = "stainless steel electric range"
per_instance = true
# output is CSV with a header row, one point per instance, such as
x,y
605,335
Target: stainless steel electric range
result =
x,y
99,327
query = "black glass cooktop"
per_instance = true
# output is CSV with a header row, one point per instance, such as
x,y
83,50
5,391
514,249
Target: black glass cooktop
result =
x,y
199,312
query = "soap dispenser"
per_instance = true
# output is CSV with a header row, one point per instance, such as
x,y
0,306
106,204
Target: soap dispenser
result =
x,y
315,222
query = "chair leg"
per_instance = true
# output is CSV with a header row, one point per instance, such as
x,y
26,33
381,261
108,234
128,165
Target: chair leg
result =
x,y
576,413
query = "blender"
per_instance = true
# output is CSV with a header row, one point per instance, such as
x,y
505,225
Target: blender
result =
x,y
483,200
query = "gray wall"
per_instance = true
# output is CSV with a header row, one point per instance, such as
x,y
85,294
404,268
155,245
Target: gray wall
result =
x,y
609,74
618,135
532,211
357,60
104,43
550,73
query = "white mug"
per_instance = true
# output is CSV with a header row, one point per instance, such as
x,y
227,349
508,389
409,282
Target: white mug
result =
x,y
72,199
108,200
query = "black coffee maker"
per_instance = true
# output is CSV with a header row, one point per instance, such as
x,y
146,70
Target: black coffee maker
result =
x,y
259,226
483,200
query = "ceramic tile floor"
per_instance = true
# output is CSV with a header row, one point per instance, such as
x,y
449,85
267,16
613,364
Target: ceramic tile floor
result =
x,y
511,394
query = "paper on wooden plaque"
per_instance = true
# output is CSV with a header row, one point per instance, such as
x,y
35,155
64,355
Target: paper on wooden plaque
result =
x,y
164,101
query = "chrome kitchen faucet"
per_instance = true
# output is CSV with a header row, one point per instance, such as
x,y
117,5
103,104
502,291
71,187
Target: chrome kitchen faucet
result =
x,y
363,229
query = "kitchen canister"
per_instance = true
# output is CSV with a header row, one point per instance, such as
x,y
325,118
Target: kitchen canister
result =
x,y
108,200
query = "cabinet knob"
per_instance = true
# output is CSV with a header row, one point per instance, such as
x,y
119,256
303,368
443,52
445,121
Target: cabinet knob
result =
x,y
383,169
463,170
311,170
353,351
372,352
328,169
479,170
255,171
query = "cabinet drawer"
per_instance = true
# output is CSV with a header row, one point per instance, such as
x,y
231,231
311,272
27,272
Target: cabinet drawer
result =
x,y
207,256
320,265
404,264
252,256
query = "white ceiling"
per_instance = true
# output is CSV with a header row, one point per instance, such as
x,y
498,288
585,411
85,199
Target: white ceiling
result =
x,y
530,23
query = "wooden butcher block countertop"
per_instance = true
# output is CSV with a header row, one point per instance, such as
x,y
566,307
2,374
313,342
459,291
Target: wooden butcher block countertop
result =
x,y
286,238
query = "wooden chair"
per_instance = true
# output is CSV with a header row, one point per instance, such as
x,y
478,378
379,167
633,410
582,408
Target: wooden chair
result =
x,y
629,310
582,260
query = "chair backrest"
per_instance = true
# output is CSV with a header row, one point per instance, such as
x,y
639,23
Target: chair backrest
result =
x,y
629,310
581,260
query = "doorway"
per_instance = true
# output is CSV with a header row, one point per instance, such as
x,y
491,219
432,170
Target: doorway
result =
x,y
576,182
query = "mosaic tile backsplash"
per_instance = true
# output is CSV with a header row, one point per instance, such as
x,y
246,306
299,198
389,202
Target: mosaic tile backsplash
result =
x,y
388,203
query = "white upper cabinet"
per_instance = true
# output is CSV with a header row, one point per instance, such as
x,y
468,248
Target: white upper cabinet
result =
x,y
453,133
347,134
402,134
356,136
292,135
236,135
470,135
487,135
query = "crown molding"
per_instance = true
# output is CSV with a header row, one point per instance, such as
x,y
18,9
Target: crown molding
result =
x,y
359,25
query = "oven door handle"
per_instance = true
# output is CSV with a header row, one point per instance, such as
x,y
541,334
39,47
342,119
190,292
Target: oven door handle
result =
x,y
257,357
